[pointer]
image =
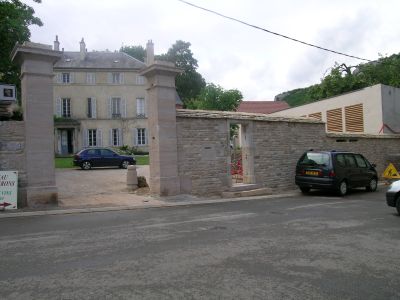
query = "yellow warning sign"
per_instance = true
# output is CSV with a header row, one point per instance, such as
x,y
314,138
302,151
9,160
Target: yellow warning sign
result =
x,y
391,172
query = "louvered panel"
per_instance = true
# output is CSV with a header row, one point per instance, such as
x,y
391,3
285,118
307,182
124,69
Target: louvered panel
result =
x,y
317,116
354,118
334,120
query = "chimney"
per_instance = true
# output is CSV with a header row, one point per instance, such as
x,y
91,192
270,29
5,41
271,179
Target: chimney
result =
x,y
83,49
56,44
149,52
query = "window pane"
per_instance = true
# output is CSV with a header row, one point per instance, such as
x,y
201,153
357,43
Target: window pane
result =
x,y
350,161
312,158
360,161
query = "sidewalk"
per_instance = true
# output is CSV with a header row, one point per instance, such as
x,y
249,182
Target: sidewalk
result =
x,y
138,202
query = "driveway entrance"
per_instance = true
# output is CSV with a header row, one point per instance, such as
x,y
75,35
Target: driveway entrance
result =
x,y
99,187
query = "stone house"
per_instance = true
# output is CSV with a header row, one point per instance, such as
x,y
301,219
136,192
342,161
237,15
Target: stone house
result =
x,y
371,110
99,100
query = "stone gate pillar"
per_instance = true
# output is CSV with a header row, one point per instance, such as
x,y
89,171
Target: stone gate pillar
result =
x,y
161,99
37,62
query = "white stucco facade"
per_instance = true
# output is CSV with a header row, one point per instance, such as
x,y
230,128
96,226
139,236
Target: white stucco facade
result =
x,y
371,110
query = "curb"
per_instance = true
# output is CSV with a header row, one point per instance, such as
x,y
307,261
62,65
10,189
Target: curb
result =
x,y
70,211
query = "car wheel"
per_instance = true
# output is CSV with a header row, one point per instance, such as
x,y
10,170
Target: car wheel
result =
x,y
304,189
125,164
398,205
343,188
86,165
373,184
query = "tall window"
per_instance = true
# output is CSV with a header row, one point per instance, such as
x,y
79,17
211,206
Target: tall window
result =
x,y
140,80
91,108
92,138
116,78
116,137
90,78
66,107
116,108
65,78
140,108
141,136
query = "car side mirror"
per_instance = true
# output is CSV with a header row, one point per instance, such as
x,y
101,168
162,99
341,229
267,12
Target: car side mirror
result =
x,y
374,165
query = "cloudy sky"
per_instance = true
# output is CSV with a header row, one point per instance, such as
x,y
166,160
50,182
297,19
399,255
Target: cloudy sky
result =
x,y
230,54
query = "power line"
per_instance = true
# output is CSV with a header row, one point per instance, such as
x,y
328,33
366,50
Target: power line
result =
x,y
272,32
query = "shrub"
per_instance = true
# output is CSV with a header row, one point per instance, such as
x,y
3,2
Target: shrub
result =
x,y
142,181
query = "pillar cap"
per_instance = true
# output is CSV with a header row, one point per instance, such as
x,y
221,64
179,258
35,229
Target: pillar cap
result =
x,y
34,49
161,67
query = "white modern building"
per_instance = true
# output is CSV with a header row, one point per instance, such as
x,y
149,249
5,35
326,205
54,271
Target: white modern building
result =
x,y
371,110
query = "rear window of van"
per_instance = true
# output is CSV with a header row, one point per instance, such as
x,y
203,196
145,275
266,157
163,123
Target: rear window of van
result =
x,y
315,158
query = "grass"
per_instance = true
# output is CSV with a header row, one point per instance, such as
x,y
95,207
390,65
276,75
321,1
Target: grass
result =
x,y
66,162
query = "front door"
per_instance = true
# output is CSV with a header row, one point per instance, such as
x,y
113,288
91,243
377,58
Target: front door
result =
x,y
64,142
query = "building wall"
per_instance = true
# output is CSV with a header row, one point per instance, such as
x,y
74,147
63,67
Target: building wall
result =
x,y
369,97
204,152
391,109
12,153
79,90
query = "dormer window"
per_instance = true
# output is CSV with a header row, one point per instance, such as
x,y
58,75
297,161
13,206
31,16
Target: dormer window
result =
x,y
65,78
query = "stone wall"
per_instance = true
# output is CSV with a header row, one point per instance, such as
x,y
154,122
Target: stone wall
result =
x,y
204,152
12,153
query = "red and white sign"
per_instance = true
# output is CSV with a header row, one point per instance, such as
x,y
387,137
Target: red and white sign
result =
x,y
8,190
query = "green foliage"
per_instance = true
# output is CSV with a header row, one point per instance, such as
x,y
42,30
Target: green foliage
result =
x,y
137,52
190,82
127,150
142,182
16,17
64,162
343,79
214,97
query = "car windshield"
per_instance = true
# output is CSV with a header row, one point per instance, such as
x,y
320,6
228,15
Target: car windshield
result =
x,y
312,158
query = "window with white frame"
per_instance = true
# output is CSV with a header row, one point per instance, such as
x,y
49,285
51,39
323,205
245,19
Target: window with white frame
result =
x,y
141,136
91,108
116,78
92,139
66,107
140,108
140,80
90,78
116,107
116,137
65,77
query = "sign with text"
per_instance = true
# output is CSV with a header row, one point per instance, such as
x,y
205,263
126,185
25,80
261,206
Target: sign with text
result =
x,y
8,189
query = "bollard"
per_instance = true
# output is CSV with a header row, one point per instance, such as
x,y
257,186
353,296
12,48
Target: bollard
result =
x,y
131,178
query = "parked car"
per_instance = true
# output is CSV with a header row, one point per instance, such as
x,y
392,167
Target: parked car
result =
x,y
102,157
393,195
335,170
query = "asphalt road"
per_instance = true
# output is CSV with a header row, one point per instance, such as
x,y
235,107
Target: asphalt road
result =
x,y
306,247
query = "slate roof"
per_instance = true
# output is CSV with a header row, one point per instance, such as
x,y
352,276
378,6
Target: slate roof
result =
x,y
262,107
99,60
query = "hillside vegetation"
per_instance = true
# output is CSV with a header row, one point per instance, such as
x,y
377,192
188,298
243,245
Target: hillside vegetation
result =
x,y
343,79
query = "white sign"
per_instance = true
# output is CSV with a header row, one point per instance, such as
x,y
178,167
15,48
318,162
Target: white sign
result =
x,y
7,92
8,189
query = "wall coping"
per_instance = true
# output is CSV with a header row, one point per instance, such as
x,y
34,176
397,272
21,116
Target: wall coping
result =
x,y
211,114
363,136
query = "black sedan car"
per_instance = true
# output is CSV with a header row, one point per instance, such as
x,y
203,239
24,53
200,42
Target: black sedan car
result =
x,y
102,157
393,195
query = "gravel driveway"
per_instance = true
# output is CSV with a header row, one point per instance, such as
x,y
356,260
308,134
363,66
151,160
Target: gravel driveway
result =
x,y
97,187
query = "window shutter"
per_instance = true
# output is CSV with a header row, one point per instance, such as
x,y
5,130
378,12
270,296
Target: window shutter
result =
x,y
71,77
120,141
94,108
123,108
109,75
134,136
85,138
121,78
146,141
58,107
110,139
99,138
145,107
59,77
109,108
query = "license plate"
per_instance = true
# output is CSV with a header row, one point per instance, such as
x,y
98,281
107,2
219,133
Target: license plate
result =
x,y
312,173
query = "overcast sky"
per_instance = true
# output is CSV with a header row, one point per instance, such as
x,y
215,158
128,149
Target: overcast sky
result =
x,y
232,55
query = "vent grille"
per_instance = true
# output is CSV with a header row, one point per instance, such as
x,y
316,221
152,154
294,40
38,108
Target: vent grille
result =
x,y
317,116
354,118
334,120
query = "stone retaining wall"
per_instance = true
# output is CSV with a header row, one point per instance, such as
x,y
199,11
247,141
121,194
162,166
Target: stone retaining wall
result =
x,y
12,153
203,148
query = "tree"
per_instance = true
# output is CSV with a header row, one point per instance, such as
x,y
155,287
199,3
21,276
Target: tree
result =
x,y
137,52
15,18
190,83
214,97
